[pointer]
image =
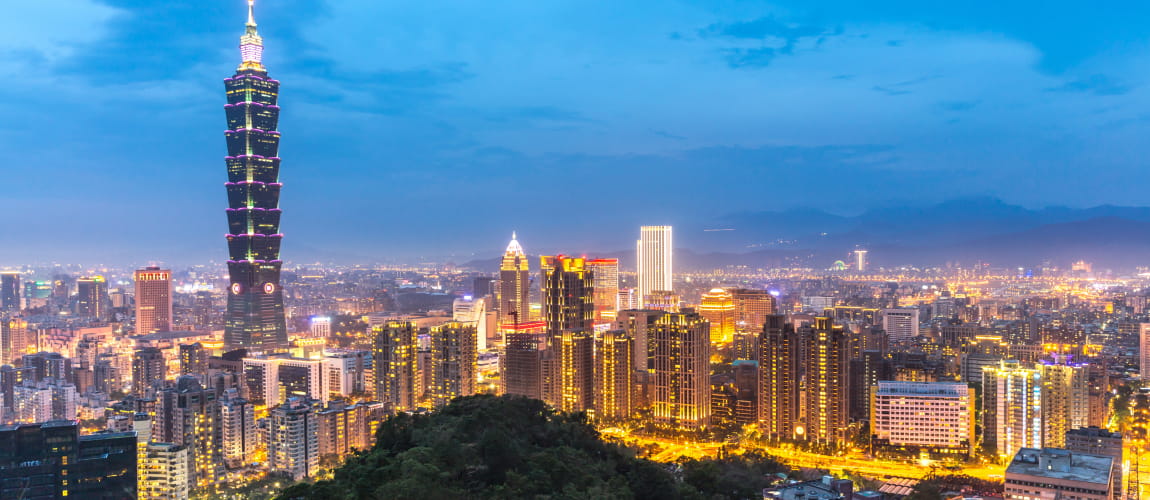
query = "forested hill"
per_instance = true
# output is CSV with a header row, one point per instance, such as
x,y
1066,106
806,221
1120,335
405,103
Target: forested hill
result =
x,y
513,447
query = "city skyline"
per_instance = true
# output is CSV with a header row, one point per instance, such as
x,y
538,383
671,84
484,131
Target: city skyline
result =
x,y
768,76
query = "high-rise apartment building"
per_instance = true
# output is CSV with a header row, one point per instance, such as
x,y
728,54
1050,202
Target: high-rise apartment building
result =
x,y
454,359
654,256
187,414
15,339
163,472
718,308
606,284
521,362
514,285
576,368
344,429
1065,401
1144,350
395,364
637,323
779,378
148,369
825,349
92,297
10,291
1011,408
255,311
293,439
614,375
681,388
153,300
239,439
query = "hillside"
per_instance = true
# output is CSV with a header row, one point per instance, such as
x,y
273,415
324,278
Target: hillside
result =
x,y
512,447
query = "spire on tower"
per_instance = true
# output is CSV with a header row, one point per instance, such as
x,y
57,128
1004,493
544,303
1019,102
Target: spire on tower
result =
x,y
251,13
251,44
513,248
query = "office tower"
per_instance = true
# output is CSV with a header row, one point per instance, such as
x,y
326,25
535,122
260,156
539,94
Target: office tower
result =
x,y
153,300
860,260
15,339
901,325
568,306
606,284
751,309
627,299
238,437
394,357
936,418
10,291
188,414
148,370
345,429
576,371
255,311
825,366
453,361
164,472
514,285
51,460
1011,408
1065,401
682,371
653,255
614,375
1057,473
1144,350
92,297
718,307
293,441
779,378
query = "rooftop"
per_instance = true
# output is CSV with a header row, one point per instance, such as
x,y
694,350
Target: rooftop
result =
x,y
1056,463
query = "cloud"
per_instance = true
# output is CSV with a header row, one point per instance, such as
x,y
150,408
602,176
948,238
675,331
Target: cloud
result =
x,y
750,58
1100,85
958,105
768,37
902,88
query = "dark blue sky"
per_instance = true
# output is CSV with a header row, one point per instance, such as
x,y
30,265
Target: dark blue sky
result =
x,y
415,128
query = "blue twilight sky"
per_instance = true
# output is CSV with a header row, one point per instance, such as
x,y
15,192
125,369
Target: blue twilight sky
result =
x,y
416,128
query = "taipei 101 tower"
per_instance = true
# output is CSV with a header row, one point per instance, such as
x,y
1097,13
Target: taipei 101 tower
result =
x,y
255,315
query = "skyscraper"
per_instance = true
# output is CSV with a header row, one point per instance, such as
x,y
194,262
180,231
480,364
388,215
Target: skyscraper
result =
x,y
1065,401
568,306
606,272
92,297
153,300
751,309
188,414
718,307
10,291
778,378
1011,408
453,361
514,285
681,395
614,375
654,250
255,313
576,371
148,369
394,358
293,439
824,364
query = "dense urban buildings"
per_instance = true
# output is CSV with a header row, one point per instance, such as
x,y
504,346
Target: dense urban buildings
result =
x,y
654,256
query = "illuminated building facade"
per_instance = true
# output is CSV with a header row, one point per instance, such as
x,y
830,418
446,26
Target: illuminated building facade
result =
x,y
92,297
825,367
901,325
148,369
576,371
344,429
1065,401
751,308
568,307
255,311
606,283
15,340
51,460
153,300
778,378
454,360
293,439
718,307
932,417
654,256
1144,350
514,285
1011,408
188,414
238,437
163,472
521,363
394,356
681,388
614,375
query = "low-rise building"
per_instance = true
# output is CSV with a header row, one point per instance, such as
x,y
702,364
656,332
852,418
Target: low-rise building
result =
x,y
1058,473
